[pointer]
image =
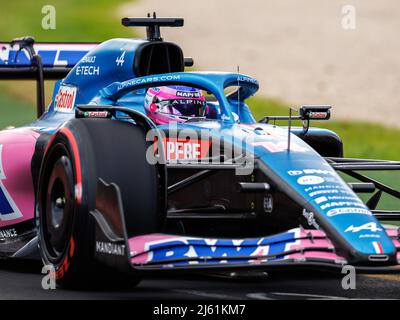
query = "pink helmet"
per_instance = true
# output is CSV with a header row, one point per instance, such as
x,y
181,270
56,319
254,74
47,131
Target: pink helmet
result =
x,y
174,104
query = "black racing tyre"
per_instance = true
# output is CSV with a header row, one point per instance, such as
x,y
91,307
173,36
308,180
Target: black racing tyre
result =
x,y
81,152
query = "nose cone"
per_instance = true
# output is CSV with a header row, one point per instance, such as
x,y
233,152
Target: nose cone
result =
x,y
308,179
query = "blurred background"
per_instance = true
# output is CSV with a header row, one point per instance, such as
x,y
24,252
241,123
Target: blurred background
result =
x,y
343,53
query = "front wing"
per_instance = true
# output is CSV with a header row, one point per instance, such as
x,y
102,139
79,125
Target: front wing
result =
x,y
295,248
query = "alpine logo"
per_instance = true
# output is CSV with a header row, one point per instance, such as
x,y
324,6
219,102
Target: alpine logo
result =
x,y
121,59
65,99
371,226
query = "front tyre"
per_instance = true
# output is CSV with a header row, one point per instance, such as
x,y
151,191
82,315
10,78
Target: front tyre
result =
x,y
80,153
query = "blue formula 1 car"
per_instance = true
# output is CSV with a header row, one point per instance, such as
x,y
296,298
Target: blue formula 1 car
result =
x,y
139,168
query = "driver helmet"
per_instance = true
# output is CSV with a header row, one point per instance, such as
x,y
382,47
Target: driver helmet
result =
x,y
174,104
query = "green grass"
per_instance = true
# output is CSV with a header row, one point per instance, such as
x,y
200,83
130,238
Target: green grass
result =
x,y
14,112
76,20
389,178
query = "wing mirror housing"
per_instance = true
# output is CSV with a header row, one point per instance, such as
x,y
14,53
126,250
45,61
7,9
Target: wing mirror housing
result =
x,y
315,112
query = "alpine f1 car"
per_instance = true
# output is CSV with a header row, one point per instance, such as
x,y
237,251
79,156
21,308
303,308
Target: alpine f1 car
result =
x,y
97,184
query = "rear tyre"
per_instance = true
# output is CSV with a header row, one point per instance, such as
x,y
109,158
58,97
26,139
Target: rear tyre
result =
x,y
80,153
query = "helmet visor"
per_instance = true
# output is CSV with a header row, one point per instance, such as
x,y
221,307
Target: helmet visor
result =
x,y
184,107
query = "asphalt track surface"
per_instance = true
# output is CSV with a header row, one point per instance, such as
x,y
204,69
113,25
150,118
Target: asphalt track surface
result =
x,y
22,280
